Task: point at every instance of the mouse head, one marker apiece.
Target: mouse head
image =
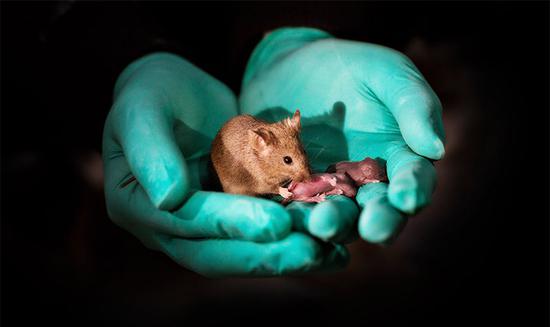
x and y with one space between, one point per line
279 152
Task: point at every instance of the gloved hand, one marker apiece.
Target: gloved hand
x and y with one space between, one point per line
357 100
165 115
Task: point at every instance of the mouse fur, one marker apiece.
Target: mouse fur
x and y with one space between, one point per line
254 157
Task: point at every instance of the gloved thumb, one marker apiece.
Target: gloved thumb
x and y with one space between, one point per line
150 148
418 113
414 105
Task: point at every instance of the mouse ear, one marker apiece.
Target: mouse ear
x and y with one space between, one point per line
261 139
294 122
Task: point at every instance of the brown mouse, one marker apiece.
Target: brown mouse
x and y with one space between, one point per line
254 157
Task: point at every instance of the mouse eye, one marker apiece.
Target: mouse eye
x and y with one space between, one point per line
287 160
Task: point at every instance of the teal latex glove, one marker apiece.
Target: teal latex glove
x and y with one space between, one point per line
357 100
165 115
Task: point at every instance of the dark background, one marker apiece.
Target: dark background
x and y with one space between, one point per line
478 254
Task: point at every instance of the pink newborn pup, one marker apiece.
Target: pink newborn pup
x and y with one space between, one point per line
362 172
342 178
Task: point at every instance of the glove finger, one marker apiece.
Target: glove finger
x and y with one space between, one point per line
416 108
216 214
412 180
148 143
295 254
332 220
204 214
379 221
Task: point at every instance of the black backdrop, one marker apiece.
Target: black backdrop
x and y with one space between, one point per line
478 254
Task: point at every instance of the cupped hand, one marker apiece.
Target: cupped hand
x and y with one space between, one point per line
357 100
164 116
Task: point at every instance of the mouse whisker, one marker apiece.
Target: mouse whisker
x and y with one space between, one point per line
308 143
286 182
318 153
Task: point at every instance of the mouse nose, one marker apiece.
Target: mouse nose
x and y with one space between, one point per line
304 177
308 172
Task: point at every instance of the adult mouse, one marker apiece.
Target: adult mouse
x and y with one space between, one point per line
254 157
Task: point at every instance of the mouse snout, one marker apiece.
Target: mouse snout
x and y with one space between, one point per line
302 177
